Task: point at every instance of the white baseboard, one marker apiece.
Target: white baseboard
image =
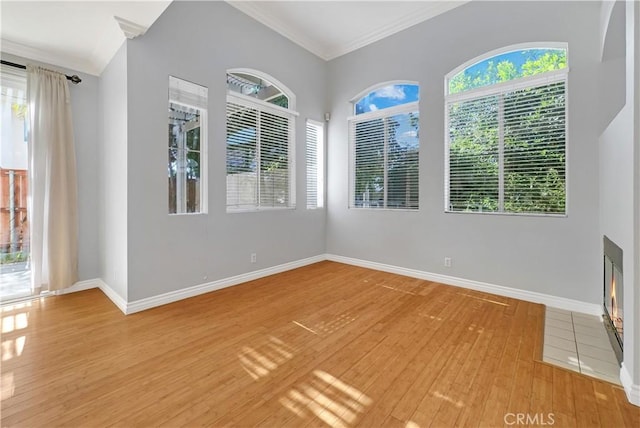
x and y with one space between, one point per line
631 389
173 296
80 286
529 296
114 297
95 283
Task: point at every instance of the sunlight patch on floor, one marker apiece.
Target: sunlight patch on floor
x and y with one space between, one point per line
12 348
495 302
399 290
305 327
8 387
14 322
325 328
260 361
430 316
459 404
333 401
16 307
478 329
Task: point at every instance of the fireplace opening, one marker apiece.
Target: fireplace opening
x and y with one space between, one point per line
613 296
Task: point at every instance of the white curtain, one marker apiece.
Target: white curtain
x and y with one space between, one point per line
52 167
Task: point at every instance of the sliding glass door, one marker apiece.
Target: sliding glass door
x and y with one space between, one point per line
15 275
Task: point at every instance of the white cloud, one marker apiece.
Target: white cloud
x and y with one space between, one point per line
411 134
373 107
393 92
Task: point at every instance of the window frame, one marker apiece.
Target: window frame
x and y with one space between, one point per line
318 180
204 157
410 107
264 106
501 88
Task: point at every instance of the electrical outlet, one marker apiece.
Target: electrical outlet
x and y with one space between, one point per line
253 257
447 262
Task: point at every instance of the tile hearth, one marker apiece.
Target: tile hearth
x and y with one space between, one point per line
580 343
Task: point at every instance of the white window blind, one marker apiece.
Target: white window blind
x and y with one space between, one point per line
506 148
315 165
260 155
384 152
187 93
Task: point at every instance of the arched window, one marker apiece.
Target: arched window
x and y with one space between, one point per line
258 86
506 129
384 146
260 142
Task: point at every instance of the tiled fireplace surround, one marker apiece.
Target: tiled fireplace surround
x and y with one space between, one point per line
586 343
579 342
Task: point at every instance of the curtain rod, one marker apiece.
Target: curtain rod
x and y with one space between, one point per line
74 79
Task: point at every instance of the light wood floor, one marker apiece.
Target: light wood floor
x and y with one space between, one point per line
324 345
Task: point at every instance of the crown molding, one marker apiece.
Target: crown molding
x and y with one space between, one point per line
430 10
265 18
49 57
130 29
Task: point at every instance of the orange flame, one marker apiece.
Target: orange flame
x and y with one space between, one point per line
614 303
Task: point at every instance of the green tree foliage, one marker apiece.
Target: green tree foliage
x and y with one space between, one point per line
534 153
533 136
490 72
473 156
555 59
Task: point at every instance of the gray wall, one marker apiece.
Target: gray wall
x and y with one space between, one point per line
618 164
556 256
632 289
168 252
85 128
114 213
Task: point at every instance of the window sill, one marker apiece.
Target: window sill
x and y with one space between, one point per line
409 210
257 210
186 214
556 215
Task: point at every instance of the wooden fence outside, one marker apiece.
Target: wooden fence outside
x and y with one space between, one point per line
14 225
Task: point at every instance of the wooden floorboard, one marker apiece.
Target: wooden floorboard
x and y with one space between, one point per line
324 345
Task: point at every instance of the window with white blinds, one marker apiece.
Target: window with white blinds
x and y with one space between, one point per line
506 140
260 154
384 149
315 164
187 166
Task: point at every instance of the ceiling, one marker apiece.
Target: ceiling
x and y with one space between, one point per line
84 36
333 28
80 35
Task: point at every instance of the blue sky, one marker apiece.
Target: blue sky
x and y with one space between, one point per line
388 96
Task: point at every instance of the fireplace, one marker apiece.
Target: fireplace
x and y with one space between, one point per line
613 296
